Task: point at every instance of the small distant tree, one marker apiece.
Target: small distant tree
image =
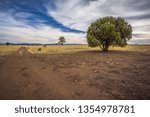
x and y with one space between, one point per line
7 43
62 40
109 31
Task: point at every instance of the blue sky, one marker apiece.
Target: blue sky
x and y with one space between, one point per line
44 21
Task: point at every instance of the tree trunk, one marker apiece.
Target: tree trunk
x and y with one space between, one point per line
105 49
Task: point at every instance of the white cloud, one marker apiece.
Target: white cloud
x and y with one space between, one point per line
19 32
75 14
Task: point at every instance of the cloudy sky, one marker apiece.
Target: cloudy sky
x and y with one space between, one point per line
44 21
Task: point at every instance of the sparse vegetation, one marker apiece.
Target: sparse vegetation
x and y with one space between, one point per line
39 49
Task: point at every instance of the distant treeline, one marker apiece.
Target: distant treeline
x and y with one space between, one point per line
36 44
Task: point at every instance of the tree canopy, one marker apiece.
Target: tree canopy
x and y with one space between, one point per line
62 40
109 31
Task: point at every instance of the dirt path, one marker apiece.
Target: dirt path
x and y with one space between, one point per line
21 78
81 75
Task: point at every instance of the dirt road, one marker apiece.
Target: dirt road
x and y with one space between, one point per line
76 75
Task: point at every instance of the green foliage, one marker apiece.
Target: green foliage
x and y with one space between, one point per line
62 40
109 31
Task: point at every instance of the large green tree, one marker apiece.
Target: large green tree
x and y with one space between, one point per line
109 31
62 40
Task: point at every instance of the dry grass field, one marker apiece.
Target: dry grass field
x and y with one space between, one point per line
57 49
74 72
69 48
8 49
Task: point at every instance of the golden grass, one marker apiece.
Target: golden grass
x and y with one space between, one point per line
57 49
75 48
139 48
69 48
9 48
